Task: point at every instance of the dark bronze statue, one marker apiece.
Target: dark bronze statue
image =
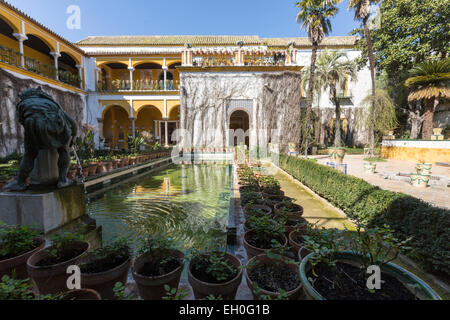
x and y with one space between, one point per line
46 126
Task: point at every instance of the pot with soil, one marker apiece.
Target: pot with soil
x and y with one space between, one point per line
250 196
273 199
256 210
155 269
265 233
85 172
215 273
93 170
266 276
336 154
102 268
101 168
296 243
48 267
17 244
289 208
350 281
82 294
292 223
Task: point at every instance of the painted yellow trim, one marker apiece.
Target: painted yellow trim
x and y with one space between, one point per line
416 155
124 104
41 78
139 104
240 69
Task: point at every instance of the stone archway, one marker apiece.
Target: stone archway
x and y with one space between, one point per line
239 120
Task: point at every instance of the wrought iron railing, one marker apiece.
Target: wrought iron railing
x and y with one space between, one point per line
140 85
13 57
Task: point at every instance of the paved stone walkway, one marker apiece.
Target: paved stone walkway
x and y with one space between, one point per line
436 195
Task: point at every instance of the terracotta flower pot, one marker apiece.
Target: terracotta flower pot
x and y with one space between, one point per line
124 162
336 155
104 282
86 172
297 248
255 251
93 170
295 211
52 279
101 168
413 283
82 294
109 165
226 290
419 180
266 210
152 288
292 223
292 294
18 265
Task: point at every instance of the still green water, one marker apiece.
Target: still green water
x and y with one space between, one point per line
188 203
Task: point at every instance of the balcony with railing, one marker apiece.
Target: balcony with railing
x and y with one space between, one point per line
13 58
117 85
211 58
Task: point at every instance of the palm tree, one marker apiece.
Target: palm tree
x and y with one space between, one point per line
333 69
362 12
429 81
314 15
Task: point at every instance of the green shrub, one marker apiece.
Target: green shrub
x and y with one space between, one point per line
428 226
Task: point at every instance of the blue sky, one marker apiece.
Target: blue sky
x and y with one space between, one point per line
266 18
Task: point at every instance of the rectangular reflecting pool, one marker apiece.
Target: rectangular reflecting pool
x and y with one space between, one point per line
188 203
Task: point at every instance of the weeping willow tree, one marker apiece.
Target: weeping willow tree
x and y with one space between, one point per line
377 115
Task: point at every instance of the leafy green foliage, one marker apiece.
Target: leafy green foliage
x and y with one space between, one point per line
17 240
107 257
216 264
62 244
12 289
119 292
406 216
266 229
174 293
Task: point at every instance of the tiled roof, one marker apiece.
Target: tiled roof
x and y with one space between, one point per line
304 42
208 40
168 40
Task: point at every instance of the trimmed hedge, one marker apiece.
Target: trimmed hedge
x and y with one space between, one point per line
428 226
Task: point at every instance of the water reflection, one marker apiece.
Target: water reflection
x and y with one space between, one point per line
189 203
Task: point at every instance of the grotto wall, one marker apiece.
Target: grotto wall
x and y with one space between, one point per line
11 85
272 100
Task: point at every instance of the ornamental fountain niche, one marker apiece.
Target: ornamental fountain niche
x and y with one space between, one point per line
42 195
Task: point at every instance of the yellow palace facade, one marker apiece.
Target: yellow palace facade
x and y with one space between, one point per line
134 84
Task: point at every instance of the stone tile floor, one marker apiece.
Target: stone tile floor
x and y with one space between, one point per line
436 195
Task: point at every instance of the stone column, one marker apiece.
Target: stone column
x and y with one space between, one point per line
80 74
133 126
56 56
21 38
131 77
167 133
165 77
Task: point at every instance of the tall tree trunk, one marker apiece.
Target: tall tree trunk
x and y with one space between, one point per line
310 95
372 76
427 128
337 125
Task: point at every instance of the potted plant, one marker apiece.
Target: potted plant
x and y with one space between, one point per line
159 265
336 154
329 273
273 275
15 289
17 244
81 294
424 168
419 180
215 273
260 237
251 209
102 268
273 199
369 167
269 185
48 267
289 208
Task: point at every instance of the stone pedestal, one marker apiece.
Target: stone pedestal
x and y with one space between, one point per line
47 210
45 171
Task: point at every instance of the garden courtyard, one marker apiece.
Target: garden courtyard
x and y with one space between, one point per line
228 167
